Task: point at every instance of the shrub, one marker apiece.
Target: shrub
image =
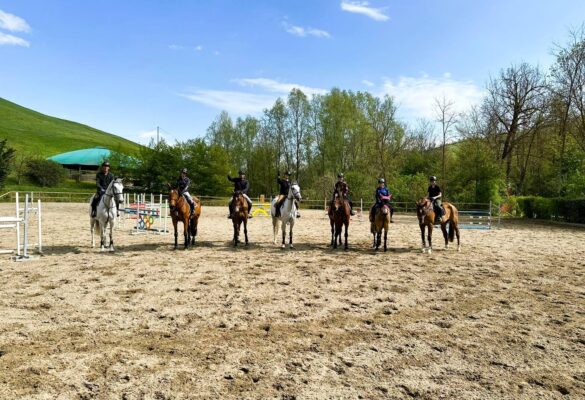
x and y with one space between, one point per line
558 209
45 172
6 156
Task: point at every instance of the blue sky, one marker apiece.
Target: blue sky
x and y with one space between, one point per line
128 66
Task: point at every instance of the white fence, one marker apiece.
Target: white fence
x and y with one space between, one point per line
21 223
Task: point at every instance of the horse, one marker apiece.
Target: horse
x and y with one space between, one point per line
339 215
240 215
426 217
107 210
381 221
288 214
181 212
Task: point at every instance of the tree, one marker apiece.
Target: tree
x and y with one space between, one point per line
447 117
6 156
298 117
515 104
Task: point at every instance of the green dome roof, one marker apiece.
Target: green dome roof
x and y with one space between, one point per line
85 157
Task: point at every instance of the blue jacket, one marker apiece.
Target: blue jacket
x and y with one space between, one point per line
381 192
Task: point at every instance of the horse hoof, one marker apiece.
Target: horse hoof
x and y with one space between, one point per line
291 246
282 246
430 251
423 250
458 248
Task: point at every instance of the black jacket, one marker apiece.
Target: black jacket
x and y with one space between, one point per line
240 184
284 186
103 181
183 185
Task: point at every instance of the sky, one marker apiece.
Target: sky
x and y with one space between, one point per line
127 67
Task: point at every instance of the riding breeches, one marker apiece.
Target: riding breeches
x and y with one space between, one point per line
188 197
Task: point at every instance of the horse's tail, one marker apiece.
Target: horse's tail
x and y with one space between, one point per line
451 231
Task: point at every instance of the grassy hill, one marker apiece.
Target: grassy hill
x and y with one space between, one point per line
34 133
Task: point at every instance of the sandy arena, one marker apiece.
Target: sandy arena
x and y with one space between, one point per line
504 318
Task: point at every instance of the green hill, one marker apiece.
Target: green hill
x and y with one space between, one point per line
34 133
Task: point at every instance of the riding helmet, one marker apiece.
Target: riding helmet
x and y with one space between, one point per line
240 172
184 171
287 173
433 178
105 164
340 175
381 180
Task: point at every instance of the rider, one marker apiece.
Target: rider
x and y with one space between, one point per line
241 185
283 188
382 197
342 186
182 185
102 179
435 196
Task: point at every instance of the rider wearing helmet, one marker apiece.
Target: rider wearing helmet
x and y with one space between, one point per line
382 197
102 179
182 185
435 196
343 188
283 188
240 185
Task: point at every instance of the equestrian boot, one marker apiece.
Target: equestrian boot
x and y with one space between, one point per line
351 211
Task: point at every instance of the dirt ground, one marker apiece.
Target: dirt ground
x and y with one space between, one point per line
504 318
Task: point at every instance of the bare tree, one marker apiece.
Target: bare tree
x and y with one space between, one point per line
515 105
447 117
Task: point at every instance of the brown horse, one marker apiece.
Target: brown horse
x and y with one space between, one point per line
426 217
180 211
339 213
380 221
240 215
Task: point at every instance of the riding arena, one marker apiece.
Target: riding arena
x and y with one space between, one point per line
501 317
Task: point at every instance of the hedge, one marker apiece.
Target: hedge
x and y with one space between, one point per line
556 209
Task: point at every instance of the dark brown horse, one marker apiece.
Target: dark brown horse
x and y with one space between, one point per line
240 216
180 212
339 213
426 217
380 221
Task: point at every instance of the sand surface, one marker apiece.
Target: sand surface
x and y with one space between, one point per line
504 318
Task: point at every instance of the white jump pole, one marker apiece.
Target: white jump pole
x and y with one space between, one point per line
40 227
25 244
166 215
17 225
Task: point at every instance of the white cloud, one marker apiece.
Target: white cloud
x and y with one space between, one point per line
144 137
363 7
304 32
368 83
10 40
272 85
199 48
240 102
216 53
178 47
416 96
13 23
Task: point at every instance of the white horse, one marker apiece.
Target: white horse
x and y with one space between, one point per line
107 210
288 213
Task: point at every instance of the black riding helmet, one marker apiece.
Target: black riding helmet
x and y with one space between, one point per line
433 178
340 175
105 164
241 172
381 180
184 171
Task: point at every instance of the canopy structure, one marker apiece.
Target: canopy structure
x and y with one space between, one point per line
82 158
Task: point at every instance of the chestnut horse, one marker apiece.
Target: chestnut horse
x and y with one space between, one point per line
180 211
240 215
339 214
426 217
380 221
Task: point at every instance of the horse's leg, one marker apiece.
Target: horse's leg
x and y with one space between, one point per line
283 228
102 237
92 228
290 232
186 232
422 237
112 235
445 235
457 234
346 226
385 238
430 237
236 231
246 230
378 239
274 229
175 222
332 232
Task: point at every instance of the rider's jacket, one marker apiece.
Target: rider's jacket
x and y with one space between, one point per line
284 186
240 185
183 185
103 180
342 187
434 191
381 192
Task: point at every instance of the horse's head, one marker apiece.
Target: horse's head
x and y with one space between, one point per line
238 200
173 197
295 190
423 207
117 186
